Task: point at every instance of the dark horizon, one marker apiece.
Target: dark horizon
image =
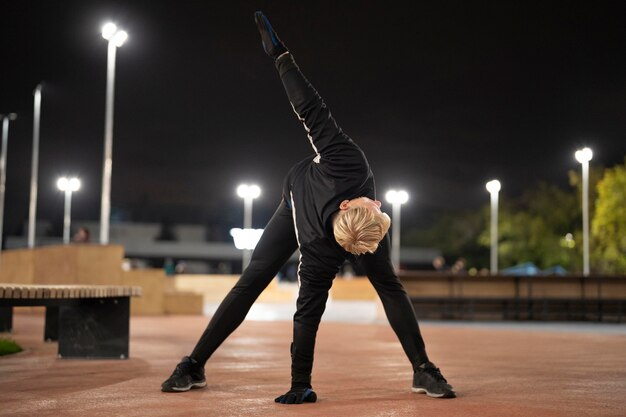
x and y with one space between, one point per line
442 98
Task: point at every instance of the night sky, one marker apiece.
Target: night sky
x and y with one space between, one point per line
442 96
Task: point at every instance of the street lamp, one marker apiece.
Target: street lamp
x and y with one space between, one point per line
493 187
116 38
248 193
6 118
68 185
396 199
584 156
32 207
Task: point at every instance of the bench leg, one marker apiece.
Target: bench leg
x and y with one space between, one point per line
6 319
51 329
97 328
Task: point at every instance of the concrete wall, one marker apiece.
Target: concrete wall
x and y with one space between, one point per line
358 288
97 265
63 264
17 266
214 288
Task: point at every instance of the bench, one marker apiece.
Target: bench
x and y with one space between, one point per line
520 308
89 321
501 297
467 308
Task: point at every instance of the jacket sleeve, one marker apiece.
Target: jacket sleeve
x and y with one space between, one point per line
332 147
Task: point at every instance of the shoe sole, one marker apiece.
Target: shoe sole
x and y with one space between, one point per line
187 388
433 395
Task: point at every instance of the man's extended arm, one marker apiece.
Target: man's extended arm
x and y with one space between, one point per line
326 137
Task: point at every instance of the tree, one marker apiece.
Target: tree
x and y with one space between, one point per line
533 228
543 226
608 226
455 233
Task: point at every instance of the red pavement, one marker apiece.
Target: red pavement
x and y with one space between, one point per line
360 370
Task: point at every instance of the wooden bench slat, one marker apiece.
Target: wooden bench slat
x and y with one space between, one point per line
34 291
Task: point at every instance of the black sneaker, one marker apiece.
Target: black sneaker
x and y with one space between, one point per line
428 380
187 375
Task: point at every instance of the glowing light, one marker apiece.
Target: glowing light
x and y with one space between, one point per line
111 33
397 196
246 238
108 30
493 186
119 38
583 155
248 191
68 184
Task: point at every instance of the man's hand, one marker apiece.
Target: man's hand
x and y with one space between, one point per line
272 44
297 396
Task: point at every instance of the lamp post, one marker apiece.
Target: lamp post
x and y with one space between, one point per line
116 38
396 199
584 156
493 187
248 193
6 118
32 207
68 185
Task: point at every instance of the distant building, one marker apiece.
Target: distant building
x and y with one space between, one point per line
149 245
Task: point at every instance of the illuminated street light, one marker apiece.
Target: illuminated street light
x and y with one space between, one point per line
396 199
32 207
111 33
584 156
116 38
248 193
6 118
493 187
68 185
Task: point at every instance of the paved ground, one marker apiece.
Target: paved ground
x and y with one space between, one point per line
497 369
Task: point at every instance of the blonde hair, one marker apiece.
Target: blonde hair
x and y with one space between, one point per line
359 229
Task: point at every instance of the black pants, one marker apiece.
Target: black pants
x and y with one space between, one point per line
274 249
396 302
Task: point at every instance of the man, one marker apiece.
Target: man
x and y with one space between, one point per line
330 213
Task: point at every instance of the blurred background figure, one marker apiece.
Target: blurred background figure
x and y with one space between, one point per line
459 267
180 267
82 235
439 263
169 267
